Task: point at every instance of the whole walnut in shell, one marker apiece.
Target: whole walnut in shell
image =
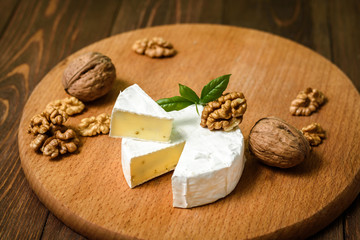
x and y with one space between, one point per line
89 76
276 143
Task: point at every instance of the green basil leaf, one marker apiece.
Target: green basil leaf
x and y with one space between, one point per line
174 103
188 93
214 89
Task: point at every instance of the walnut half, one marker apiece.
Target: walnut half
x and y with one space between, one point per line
42 122
60 143
156 47
52 138
314 133
95 125
224 113
70 105
307 102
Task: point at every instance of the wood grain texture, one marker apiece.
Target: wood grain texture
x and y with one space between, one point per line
87 191
346 54
346 51
55 230
5 17
352 221
36 35
155 12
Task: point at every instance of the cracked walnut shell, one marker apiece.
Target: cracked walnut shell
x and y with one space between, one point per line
70 105
89 76
95 125
224 113
307 102
157 47
314 133
276 143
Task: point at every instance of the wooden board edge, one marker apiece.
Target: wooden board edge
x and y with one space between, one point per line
322 218
65 215
82 226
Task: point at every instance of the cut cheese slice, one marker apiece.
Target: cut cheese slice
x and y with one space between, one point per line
136 115
145 160
208 168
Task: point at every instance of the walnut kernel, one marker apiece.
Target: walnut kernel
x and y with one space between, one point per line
38 142
41 123
314 133
89 76
307 102
60 143
95 125
70 105
51 136
224 113
55 116
157 47
276 143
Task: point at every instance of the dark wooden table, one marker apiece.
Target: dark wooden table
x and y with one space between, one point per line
36 34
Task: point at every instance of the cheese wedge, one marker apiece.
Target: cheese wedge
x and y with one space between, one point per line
208 167
152 160
136 115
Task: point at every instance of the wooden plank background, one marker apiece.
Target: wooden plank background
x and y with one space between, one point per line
36 34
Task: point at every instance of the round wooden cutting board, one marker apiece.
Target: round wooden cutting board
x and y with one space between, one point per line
88 192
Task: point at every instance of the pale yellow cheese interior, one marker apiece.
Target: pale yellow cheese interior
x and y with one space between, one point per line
125 124
146 167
